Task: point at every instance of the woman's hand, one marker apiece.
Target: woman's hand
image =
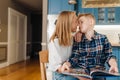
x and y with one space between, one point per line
78 36
66 67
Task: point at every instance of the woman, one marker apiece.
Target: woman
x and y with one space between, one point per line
61 43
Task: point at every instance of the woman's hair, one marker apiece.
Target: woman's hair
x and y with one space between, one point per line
89 15
63 28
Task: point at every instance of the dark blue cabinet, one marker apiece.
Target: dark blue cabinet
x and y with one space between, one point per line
56 6
117 13
107 16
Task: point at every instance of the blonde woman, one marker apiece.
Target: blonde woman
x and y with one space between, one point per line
61 43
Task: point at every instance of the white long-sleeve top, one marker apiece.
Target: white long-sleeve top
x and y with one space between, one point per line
57 54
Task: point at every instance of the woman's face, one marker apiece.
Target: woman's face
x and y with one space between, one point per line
74 23
84 24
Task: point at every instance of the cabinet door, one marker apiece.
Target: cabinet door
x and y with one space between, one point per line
96 14
102 16
111 15
117 15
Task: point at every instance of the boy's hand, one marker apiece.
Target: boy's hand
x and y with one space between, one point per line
113 69
113 66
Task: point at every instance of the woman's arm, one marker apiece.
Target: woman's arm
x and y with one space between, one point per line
54 58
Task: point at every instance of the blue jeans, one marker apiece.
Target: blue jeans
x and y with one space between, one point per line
59 76
99 79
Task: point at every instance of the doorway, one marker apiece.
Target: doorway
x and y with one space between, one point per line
17 36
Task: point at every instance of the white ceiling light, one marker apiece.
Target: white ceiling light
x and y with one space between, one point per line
72 1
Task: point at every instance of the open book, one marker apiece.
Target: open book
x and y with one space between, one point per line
94 73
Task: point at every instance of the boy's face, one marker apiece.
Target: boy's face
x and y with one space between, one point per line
84 23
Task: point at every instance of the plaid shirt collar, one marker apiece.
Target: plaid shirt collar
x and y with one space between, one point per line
95 36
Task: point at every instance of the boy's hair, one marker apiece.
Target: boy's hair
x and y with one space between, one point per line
89 15
63 28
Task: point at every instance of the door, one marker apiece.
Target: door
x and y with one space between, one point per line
16 36
21 39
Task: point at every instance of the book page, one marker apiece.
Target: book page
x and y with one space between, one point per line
77 73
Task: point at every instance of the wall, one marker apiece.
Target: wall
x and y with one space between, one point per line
4 4
44 24
3 19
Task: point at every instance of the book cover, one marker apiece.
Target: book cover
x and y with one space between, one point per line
94 73
100 73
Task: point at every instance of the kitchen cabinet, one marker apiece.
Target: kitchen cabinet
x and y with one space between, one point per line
56 6
104 16
117 15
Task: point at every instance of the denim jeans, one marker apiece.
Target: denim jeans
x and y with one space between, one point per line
59 76
99 79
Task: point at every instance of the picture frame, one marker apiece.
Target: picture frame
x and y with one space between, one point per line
100 3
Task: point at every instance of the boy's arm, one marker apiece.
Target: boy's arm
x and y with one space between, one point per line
111 59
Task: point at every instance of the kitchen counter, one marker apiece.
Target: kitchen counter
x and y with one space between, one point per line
115 44
111 31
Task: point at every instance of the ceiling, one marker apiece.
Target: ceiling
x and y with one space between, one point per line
33 5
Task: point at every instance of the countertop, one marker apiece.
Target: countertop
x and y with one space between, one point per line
111 31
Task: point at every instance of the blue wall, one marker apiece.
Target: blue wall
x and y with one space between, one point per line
56 6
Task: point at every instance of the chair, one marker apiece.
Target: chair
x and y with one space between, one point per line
43 57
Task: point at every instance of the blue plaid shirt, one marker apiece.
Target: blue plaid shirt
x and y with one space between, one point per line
89 54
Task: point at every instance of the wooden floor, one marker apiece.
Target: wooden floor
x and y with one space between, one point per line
25 70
